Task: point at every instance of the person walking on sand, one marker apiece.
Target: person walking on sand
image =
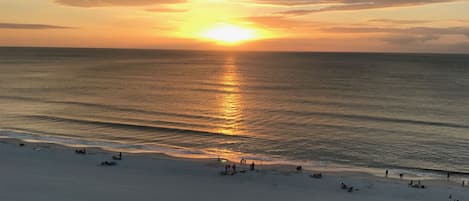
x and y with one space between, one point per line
252 166
387 172
448 175
401 175
234 168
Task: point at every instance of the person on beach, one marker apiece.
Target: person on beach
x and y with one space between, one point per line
252 166
119 157
448 175
401 175
343 186
299 168
462 183
243 161
234 168
387 172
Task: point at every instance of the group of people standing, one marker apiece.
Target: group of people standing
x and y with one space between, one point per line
230 169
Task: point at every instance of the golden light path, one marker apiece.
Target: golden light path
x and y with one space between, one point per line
230 100
230 105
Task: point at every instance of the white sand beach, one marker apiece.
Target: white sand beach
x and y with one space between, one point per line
48 172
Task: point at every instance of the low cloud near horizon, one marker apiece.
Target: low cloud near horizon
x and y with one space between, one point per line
103 3
31 26
344 5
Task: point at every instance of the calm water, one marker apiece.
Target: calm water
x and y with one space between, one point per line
324 109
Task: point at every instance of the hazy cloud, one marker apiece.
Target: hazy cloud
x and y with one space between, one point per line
414 30
343 5
166 10
101 3
406 40
293 2
279 22
403 36
402 22
31 26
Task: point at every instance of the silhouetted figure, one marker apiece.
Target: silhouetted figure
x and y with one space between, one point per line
387 172
448 175
234 168
401 175
119 157
299 168
243 161
463 183
343 186
21 145
252 166
411 183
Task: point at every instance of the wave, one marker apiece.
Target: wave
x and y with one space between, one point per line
116 108
372 118
136 126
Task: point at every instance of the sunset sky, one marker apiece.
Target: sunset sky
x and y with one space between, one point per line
277 25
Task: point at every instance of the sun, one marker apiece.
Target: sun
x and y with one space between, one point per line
229 34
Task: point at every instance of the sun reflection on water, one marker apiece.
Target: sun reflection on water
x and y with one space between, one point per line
230 101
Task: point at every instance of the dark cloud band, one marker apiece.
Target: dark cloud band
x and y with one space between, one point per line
31 26
344 5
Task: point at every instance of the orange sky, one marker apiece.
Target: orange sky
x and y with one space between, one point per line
279 25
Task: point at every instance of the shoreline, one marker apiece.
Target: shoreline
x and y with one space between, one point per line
282 168
46 168
410 172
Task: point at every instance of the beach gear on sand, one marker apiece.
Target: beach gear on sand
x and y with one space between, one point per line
108 163
316 176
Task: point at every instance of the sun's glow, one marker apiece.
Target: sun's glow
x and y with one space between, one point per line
229 34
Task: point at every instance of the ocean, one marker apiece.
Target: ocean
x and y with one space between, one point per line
320 110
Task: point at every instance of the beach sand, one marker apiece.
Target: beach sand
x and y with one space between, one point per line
43 172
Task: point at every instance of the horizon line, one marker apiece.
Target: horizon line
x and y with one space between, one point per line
259 51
